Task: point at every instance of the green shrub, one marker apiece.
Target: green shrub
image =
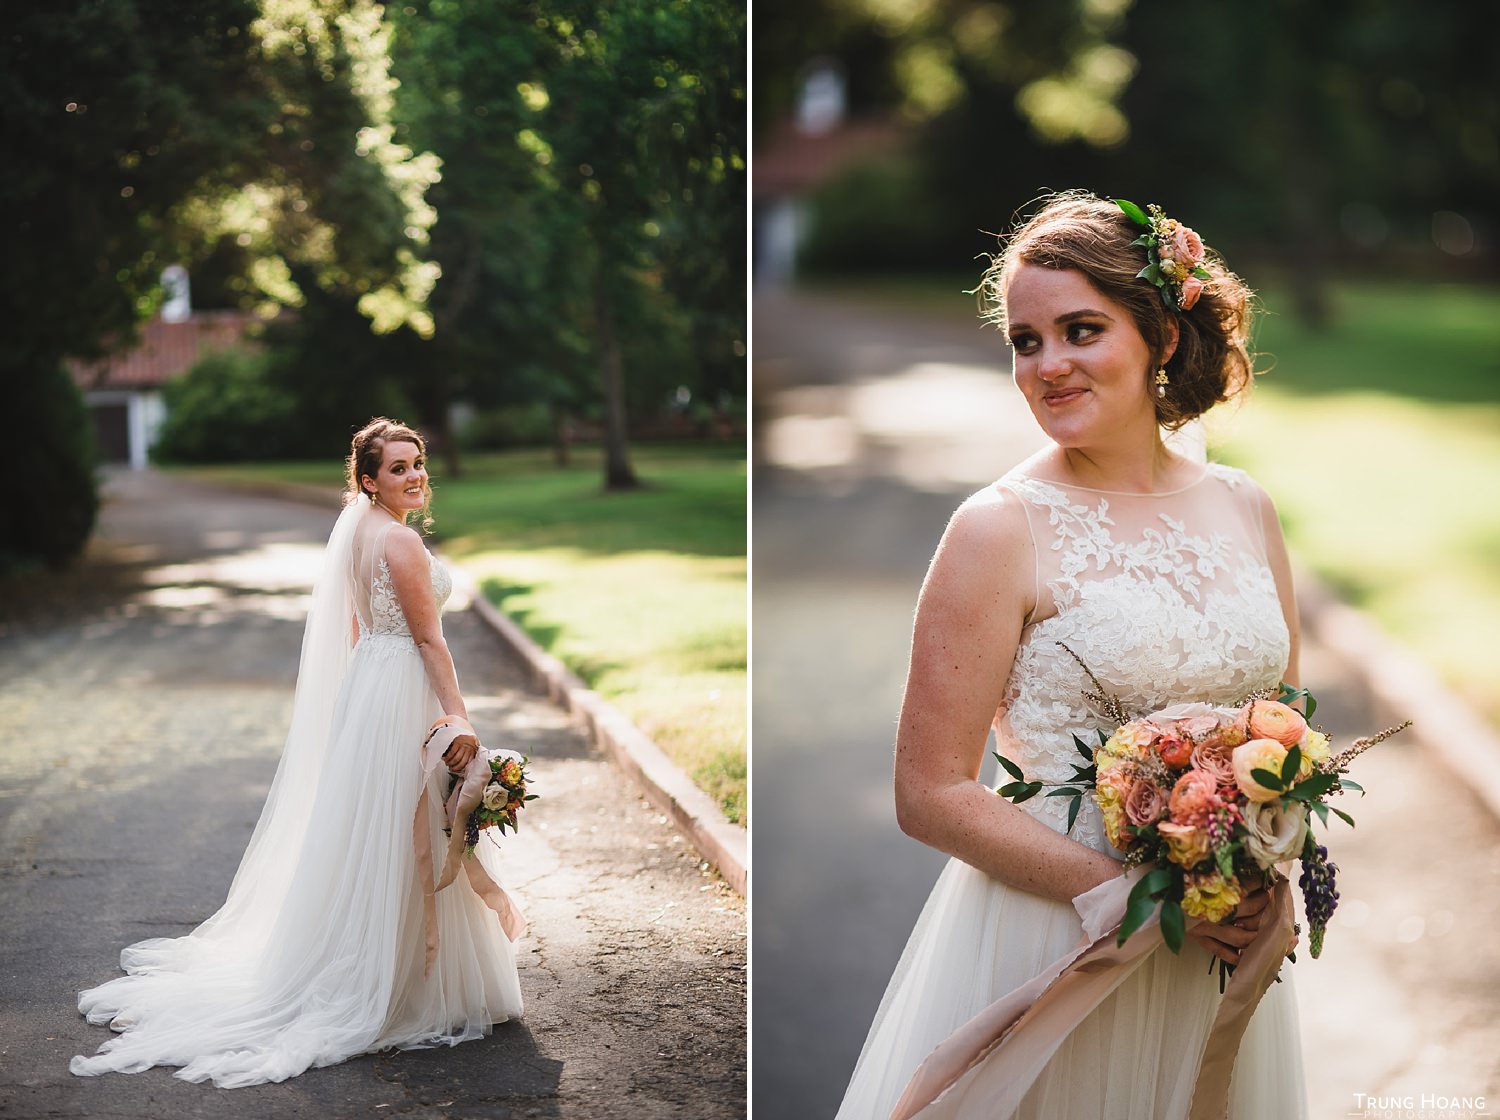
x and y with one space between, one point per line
226 409
61 501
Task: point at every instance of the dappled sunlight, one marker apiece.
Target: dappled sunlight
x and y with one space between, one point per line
931 425
269 580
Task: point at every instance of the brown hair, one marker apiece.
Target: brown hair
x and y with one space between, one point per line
1090 235
367 452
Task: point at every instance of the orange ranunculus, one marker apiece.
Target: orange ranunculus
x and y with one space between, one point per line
1270 719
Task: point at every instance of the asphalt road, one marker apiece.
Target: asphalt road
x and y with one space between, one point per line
143 700
872 423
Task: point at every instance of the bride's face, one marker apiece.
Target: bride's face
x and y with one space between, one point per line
401 482
1080 360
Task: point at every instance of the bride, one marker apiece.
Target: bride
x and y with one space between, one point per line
1169 578
319 952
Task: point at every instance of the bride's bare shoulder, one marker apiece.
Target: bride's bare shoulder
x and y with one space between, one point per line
987 534
404 548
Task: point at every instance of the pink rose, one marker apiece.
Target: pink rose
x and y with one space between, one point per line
1197 728
1194 798
1187 247
1145 802
1269 719
1192 288
1215 757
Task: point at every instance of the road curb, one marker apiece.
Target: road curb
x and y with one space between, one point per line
1405 688
693 812
724 845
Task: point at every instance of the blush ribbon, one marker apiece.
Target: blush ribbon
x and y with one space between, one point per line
987 1065
461 802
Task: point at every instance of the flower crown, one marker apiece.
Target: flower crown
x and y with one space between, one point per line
1174 255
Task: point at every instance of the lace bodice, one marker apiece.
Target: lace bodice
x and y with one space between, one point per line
385 609
1166 597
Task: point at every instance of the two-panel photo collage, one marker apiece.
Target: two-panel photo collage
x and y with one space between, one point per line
668 560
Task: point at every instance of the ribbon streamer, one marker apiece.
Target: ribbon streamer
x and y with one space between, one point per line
461 802
986 1066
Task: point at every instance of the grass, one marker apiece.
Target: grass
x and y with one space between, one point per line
1380 440
642 593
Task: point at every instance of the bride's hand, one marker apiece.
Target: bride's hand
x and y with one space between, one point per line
461 753
1227 939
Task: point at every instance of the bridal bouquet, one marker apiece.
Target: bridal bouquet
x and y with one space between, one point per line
503 797
1213 798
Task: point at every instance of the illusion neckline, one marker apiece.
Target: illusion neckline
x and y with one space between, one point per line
1208 473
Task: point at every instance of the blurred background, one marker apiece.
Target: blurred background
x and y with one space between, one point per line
1345 159
239 229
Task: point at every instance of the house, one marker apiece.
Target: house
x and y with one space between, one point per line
123 391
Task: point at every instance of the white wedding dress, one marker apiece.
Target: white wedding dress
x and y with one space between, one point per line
318 952
1166 597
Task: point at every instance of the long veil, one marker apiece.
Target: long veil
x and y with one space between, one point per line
260 885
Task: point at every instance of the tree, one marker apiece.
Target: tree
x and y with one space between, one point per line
138 133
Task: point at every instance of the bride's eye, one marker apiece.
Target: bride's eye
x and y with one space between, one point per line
1082 332
1023 342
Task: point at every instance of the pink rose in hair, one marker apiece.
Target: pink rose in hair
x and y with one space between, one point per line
1192 288
1187 247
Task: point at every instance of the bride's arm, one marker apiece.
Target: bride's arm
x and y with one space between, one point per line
978 592
1281 569
412 582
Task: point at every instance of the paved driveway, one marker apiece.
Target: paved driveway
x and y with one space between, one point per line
872 424
145 697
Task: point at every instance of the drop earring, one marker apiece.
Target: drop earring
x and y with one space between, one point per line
1161 383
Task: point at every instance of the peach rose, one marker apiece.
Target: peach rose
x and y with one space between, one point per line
1194 798
1145 802
1186 846
1257 754
1270 719
1192 288
495 797
1187 246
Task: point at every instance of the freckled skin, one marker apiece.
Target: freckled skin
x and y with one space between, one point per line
1085 372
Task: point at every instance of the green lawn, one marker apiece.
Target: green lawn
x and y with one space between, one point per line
1380 441
642 594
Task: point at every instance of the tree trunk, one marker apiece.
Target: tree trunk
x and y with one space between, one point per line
562 436
618 474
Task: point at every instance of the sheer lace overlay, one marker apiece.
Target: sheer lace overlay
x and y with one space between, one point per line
318 952
1165 597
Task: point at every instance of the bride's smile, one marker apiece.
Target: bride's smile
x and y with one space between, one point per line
1080 361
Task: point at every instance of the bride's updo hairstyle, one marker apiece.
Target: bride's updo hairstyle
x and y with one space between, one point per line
1090 235
367 452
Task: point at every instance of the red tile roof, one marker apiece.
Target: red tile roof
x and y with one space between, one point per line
791 162
165 351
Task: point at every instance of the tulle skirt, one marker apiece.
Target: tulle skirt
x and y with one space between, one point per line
328 963
1135 1058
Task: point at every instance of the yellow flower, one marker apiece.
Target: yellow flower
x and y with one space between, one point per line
1110 793
1211 897
1314 750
